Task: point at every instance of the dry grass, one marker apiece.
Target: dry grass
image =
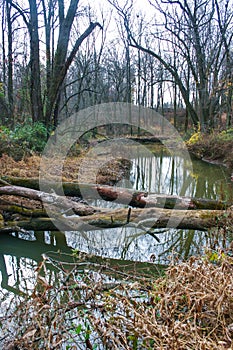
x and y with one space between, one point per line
27 167
190 308
109 173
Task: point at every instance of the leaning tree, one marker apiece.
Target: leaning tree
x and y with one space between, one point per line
55 20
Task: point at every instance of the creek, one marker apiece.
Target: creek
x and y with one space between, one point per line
155 171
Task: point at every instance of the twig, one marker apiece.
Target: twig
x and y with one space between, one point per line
5 183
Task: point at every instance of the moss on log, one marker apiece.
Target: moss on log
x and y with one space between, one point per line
138 199
139 218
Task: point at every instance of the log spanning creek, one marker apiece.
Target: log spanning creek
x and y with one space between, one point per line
155 172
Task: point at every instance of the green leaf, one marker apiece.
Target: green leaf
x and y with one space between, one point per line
78 329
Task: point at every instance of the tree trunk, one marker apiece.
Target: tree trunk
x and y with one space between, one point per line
144 219
94 218
10 64
61 61
123 195
35 89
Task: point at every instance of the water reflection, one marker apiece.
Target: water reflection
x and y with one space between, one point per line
159 172
176 175
138 246
20 255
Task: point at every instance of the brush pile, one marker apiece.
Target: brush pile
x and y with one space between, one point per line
190 307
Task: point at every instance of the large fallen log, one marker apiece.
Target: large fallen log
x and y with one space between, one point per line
130 197
94 217
144 219
49 199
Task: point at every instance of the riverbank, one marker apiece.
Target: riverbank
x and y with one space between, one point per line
215 148
91 304
29 167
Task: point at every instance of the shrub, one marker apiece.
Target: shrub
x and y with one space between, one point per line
31 136
23 140
197 136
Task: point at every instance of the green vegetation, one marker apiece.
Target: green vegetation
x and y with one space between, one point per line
23 140
226 135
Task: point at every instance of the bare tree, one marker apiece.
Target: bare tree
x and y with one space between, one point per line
10 59
3 104
190 28
224 16
165 63
58 60
85 82
63 60
35 88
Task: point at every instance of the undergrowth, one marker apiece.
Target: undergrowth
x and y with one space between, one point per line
23 140
214 146
191 307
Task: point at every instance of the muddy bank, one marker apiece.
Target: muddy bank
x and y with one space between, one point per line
109 173
213 148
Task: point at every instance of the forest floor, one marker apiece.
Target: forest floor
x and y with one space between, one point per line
215 148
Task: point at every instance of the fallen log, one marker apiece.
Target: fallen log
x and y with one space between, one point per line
130 197
94 217
142 199
149 139
143 219
22 210
50 199
157 218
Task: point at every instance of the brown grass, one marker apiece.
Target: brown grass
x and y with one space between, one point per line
29 167
190 308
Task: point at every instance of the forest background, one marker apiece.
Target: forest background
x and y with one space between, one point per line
174 56
60 57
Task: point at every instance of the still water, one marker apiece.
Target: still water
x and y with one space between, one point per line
156 171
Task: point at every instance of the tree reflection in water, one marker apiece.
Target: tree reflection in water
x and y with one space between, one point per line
161 173
21 254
